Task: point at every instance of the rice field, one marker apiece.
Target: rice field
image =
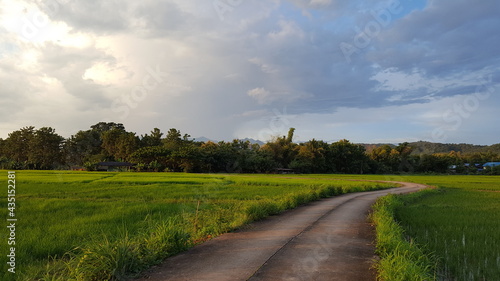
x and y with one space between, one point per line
101 226
460 224
457 224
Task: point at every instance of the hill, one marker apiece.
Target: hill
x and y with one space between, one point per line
424 147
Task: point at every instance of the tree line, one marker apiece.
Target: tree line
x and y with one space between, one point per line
44 149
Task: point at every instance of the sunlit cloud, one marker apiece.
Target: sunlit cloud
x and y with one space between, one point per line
233 72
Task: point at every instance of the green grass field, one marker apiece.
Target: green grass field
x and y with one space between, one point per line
98 226
457 224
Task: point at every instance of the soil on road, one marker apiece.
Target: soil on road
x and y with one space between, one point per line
330 239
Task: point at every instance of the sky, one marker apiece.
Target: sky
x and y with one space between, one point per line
367 71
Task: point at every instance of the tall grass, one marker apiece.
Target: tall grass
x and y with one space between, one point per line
108 226
458 223
462 228
400 259
118 259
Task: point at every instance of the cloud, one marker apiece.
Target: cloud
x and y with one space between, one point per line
328 5
288 29
463 118
91 15
264 96
220 74
441 44
265 67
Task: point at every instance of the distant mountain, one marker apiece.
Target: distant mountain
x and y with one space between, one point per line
253 141
424 147
419 147
371 146
203 139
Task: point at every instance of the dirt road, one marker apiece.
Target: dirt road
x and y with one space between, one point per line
326 240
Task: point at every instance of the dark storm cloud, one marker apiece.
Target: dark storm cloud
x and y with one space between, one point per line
447 37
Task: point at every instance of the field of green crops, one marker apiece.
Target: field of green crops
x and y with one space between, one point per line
98 226
457 225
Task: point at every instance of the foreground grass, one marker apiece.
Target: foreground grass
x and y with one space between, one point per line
400 259
458 223
109 226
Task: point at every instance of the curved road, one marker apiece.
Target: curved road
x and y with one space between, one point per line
329 239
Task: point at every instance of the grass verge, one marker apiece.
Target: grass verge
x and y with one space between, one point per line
400 259
119 259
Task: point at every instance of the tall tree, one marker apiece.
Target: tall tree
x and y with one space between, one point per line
152 140
119 144
289 138
311 157
383 158
349 158
282 149
404 151
36 149
173 139
87 146
102 127
212 157
45 149
17 145
84 146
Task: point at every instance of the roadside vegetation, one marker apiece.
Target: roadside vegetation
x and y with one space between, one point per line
449 233
110 226
401 259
